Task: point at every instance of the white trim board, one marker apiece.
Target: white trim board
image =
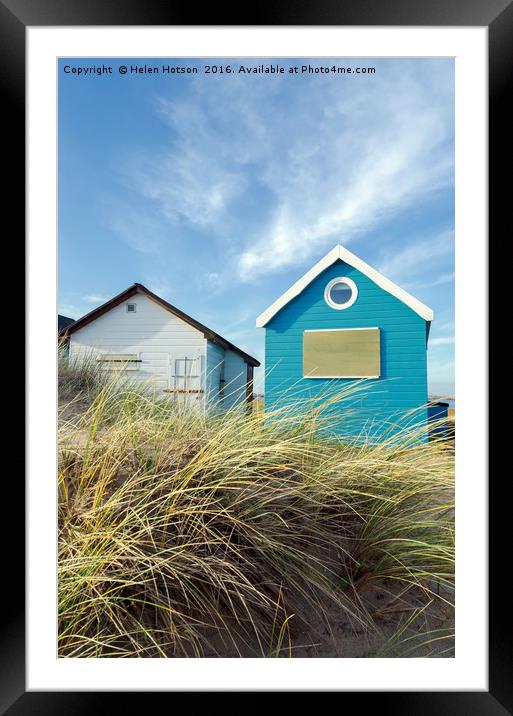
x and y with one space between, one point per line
339 252
342 377
326 330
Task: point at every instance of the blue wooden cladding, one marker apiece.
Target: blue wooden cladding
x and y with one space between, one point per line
377 406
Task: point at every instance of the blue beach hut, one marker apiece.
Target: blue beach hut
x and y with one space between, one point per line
344 325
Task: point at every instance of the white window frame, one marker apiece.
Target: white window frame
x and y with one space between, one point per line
131 303
341 306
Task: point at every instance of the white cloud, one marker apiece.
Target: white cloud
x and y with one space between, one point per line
442 341
140 228
158 285
326 160
95 298
199 174
343 214
213 278
441 372
437 281
361 165
412 260
70 310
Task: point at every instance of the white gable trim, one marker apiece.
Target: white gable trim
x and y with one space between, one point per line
339 252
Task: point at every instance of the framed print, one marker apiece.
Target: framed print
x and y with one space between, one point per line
264 250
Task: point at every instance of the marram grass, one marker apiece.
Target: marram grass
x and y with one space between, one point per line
185 534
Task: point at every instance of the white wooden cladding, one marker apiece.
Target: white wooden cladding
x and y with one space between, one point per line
119 361
171 354
156 335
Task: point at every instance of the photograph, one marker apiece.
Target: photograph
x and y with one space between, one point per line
256 369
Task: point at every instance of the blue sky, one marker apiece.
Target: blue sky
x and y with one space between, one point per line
218 191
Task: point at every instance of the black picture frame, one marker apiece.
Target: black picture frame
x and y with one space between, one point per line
497 15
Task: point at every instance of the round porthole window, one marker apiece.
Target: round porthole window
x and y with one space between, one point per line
341 293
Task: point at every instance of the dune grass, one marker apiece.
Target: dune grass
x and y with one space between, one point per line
185 534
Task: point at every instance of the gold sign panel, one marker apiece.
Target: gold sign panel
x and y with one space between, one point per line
342 353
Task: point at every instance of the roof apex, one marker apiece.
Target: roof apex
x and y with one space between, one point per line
339 252
140 288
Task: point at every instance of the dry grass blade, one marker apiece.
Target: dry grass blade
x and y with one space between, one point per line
185 534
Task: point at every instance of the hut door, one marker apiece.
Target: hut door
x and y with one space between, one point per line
185 379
